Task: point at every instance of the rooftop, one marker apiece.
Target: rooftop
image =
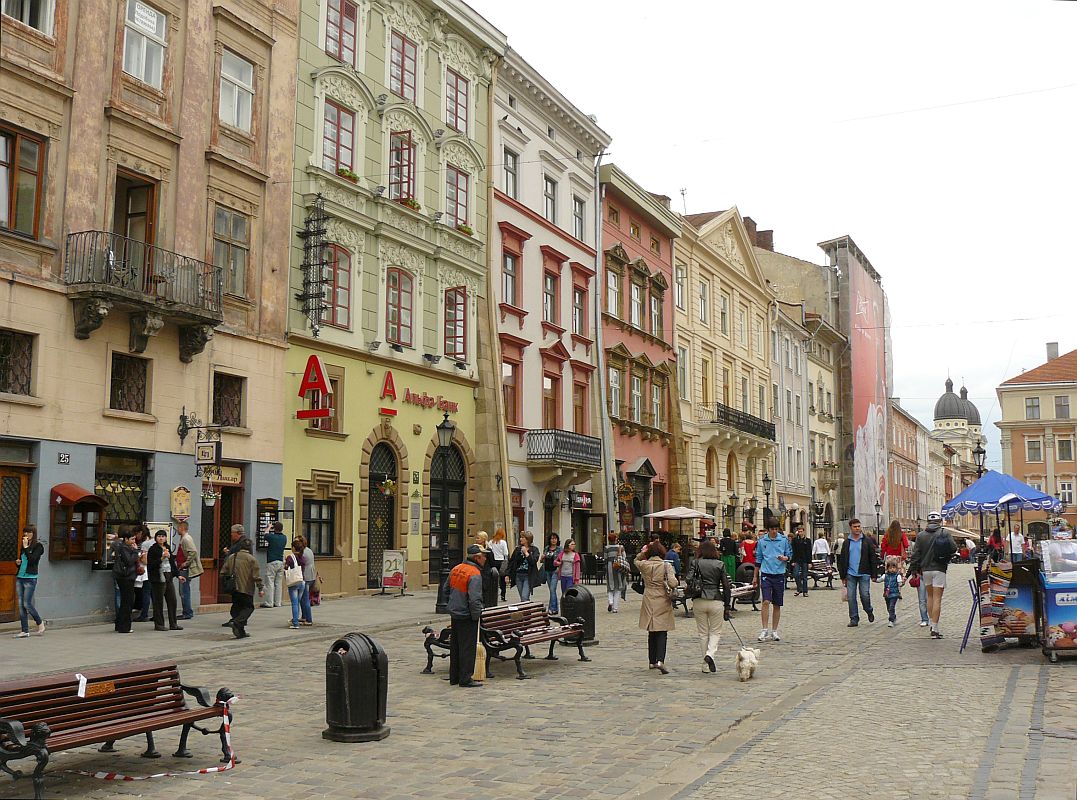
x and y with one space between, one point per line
1058 370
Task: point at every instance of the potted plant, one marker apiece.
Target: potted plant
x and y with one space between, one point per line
344 172
410 202
387 487
466 229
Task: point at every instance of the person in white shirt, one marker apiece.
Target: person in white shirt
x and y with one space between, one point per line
820 549
1015 542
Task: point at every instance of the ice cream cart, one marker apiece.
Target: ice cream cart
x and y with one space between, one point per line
1058 592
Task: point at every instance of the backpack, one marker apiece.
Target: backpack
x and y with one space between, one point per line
121 566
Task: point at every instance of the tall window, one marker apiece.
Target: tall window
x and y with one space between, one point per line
762 401
1033 450
227 399
579 311
579 214
549 297
758 337
22 161
579 408
1065 449
613 293
637 398
398 307
657 415
401 166
508 279
704 301
331 400
551 402
318 525
237 91
745 402
742 327
231 247
338 138
35 13
798 409
549 195
338 287
615 391
341 30
510 380
456 93
16 362
456 323
705 380
796 358
1062 406
1032 408
680 282
127 390
656 316
144 43
402 66
723 313
788 404
811 396
456 189
635 306
682 372
511 168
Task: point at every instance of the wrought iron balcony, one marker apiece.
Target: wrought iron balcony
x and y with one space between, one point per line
553 446
721 414
105 270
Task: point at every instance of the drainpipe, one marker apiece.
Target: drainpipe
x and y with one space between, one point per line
607 426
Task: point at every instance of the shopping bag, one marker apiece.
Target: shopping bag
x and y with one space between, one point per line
845 594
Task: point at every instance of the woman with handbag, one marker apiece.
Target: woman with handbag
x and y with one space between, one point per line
297 588
617 570
709 586
656 610
549 570
523 566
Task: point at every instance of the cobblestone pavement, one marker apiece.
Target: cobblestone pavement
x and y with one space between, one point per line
832 713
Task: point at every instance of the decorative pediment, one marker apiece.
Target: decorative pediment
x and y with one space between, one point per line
396 255
643 360
408 18
459 152
617 255
400 117
555 352
658 281
451 276
728 237
344 88
639 266
347 235
619 351
458 55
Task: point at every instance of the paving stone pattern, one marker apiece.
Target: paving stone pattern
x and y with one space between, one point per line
832 713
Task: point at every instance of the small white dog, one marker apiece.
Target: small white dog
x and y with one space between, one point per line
747 661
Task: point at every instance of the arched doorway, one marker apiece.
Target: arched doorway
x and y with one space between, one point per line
448 480
381 520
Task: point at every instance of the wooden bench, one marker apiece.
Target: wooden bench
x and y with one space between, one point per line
821 570
119 702
744 593
511 628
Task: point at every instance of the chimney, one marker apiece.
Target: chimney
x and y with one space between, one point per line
1052 351
750 225
765 240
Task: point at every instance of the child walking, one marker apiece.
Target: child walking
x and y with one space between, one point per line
892 587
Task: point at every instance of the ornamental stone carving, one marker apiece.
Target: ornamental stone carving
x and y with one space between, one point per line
450 276
728 245
399 120
458 155
342 233
340 89
489 59
405 222
438 21
453 244
341 195
193 340
90 313
143 326
396 255
406 17
460 56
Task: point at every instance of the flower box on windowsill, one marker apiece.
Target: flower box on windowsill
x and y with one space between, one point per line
347 174
467 230
410 202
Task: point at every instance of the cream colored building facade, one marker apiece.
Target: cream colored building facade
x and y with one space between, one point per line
143 272
721 312
824 433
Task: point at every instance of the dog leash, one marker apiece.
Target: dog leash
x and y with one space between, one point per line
735 632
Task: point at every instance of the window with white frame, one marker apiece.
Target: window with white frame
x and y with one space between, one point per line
237 91
579 217
680 283
579 311
637 398
511 169
1062 406
1065 449
788 403
613 293
704 301
342 30
1065 492
615 391
1033 450
742 327
37 14
635 306
656 316
798 409
549 297
1032 408
549 196
456 323
723 313
682 372
796 358
144 43
656 405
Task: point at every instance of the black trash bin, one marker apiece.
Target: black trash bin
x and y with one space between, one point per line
578 603
746 574
356 686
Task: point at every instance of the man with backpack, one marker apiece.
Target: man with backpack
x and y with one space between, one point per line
929 559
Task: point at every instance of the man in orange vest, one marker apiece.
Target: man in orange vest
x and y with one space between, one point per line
465 609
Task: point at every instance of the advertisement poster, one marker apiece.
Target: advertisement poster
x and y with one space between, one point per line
868 357
392 568
1061 612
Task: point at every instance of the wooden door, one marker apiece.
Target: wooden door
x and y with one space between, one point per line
217 522
14 491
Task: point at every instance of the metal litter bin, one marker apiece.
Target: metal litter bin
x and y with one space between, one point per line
356 687
578 603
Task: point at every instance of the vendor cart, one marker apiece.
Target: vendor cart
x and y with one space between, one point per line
1058 597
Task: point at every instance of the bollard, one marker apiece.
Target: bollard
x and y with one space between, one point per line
578 603
356 687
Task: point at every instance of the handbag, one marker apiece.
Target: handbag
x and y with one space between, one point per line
693 585
637 584
914 581
293 575
228 582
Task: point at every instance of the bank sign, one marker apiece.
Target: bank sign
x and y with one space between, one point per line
421 399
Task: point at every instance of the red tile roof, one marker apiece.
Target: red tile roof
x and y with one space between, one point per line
699 220
1058 370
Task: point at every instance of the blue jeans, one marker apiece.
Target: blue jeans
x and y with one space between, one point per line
523 586
567 582
891 608
26 588
858 584
185 595
921 595
800 575
298 596
551 582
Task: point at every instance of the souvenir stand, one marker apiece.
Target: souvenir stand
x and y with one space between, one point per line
1057 590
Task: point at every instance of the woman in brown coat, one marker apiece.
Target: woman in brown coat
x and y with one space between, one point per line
656 611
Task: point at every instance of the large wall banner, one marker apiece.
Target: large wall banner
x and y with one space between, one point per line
868 343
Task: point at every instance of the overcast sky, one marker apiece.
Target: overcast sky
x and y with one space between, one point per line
827 118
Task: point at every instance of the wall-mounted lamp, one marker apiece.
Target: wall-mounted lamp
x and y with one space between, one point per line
373 346
379 191
432 358
397 348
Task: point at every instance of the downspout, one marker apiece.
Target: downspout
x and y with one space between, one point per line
607 425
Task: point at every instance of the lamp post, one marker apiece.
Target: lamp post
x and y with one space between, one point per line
733 509
812 516
980 455
878 517
446 428
753 504
767 483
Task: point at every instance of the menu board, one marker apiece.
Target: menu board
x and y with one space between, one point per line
268 513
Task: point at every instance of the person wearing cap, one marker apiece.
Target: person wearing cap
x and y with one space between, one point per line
929 559
772 553
465 610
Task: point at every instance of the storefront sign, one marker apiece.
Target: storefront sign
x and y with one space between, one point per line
207 453
229 476
315 379
421 399
582 500
180 503
392 568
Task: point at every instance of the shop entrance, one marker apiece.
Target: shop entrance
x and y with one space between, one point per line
217 522
448 480
381 523
14 488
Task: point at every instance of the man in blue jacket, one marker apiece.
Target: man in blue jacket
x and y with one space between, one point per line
858 566
465 611
772 554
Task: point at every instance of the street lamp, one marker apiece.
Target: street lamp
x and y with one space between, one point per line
446 428
878 513
753 504
980 455
767 483
733 508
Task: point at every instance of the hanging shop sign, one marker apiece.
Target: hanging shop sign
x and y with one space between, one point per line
625 492
180 503
207 454
315 379
582 500
421 399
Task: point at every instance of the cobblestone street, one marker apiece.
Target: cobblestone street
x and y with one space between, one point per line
831 713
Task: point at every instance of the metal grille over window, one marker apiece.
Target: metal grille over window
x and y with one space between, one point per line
121 480
16 359
10 495
381 527
128 391
315 266
227 400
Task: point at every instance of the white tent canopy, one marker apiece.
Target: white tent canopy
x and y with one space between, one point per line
679 512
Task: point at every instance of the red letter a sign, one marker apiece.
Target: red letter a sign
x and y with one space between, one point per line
314 378
388 386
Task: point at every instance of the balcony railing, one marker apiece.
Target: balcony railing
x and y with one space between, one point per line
721 414
104 263
555 446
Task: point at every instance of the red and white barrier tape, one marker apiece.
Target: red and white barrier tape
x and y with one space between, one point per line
116 776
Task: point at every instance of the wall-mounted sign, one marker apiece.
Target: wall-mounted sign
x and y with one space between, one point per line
180 503
582 500
229 476
421 399
207 454
267 515
63 458
315 380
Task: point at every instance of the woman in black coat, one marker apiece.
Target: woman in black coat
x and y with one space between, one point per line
523 566
125 564
163 570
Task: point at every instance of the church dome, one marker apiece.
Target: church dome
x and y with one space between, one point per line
972 414
950 406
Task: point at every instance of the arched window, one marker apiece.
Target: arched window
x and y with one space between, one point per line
456 323
399 296
731 473
338 271
712 467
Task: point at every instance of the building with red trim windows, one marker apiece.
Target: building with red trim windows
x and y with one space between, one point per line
543 278
638 360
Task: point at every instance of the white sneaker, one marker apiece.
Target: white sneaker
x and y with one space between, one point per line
923 624
774 637
26 635
763 635
890 624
